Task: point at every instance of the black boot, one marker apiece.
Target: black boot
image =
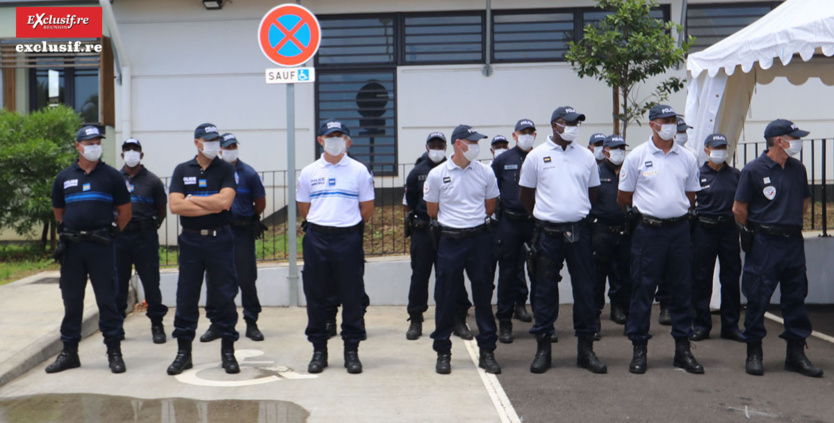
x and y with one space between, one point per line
665 317
461 329
252 331
618 316
183 358
318 362
488 363
415 329
330 327
638 360
444 363
796 361
542 360
211 334
158 333
115 359
754 359
227 357
597 335
505 331
684 358
67 359
585 356
352 363
522 314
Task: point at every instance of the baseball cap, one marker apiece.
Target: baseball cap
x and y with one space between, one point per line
499 138
466 132
332 125
228 139
87 133
131 141
207 131
661 111
436 135
613 141
783 127
596 138
524 124
682 126
567 113
715 140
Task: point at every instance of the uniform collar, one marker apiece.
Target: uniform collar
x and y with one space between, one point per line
553 146
706 169
654 150
76 167
451 165
140 172
193 162
770 163
239 165
325 163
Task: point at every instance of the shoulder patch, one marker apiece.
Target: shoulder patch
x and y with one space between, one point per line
547 159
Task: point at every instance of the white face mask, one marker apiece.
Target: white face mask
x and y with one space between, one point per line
335 146
718 156
570 133
681 138
473 152
795 148
437 156
230 156
667 131
598 153
132 158
497 152
617 156
211 149
525 142
92 152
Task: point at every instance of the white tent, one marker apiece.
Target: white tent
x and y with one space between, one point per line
722 78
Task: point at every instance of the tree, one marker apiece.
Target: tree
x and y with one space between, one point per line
33 149
625 49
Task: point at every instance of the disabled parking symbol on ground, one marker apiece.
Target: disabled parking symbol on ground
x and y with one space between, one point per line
275 372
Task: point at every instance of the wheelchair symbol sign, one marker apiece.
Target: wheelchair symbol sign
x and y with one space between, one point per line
267 371
303 75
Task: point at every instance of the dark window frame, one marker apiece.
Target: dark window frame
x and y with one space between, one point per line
402 28
396 45
69 75
725 5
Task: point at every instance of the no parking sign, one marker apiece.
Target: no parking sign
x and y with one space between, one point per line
289 35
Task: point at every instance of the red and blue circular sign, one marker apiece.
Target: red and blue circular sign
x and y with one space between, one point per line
289 35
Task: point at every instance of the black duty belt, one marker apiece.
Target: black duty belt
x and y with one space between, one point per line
712 221
101 236
776 230
134 226
334 230
608 227
560 229
657 222
514 215
205 232
420 224
463 233
241 223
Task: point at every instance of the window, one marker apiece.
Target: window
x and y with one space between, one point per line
524 37
711 23
594 16
79 89
358 40
446 38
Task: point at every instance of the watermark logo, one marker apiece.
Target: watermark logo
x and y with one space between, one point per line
58 22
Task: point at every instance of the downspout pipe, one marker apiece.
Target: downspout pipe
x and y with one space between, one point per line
487 70
124 66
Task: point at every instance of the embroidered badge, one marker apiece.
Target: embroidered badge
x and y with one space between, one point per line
769 192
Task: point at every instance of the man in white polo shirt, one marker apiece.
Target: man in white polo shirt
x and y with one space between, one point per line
335 197
559 181
659 179
461 194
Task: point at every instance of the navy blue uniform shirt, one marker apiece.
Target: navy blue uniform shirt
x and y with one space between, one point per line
88 199
414 185
507 168
717 190
606 209
249 189
190 179
146 193
774 195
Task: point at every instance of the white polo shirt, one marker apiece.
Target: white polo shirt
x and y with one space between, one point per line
335 191
660 181
561 178
460 193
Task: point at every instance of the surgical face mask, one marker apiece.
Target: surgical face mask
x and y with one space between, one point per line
795 148
617 156
211 149
473 152
598 153
437 156
335 146
570 133
132 158
718 156
230 156
497 152
525 142
667 131
92 152
681 138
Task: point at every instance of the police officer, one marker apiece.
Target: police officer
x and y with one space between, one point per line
515 227
138 245
499 146
715 234
596 145
610 242
559 182
250 202
423 252
201 192
681 136
660 179
84 197
335 196
772 197
461 194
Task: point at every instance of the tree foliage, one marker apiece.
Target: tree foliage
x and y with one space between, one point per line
625 49
33 149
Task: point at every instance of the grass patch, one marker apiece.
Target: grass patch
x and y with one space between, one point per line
22 259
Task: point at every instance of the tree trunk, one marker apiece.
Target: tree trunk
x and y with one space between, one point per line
625 93
53 238
44 232
616 93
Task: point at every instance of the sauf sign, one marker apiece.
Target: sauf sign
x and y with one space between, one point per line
290 75
58 22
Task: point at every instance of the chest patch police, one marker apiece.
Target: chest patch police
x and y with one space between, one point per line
202 183
766 179
769 192
511 167
547 159
447 179
605 179
130 187
86 187
421 177
189 180
331 182
648 164
70 183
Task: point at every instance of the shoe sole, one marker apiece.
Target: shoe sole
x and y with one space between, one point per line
691 371
187 366
637 371
443 371
792 369
489 371
65 368
232 371
255 338
586 366
505 341
117 371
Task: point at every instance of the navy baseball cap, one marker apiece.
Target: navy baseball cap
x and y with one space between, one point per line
88 133
525 124
613 141
784 127
499 138
131 141
332 125
596 139
207 131
466 132
228 139
436 136
682 126
715 140
661 111
567 113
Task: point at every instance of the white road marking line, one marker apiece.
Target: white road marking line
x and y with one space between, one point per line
502 404
748 413
814 333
